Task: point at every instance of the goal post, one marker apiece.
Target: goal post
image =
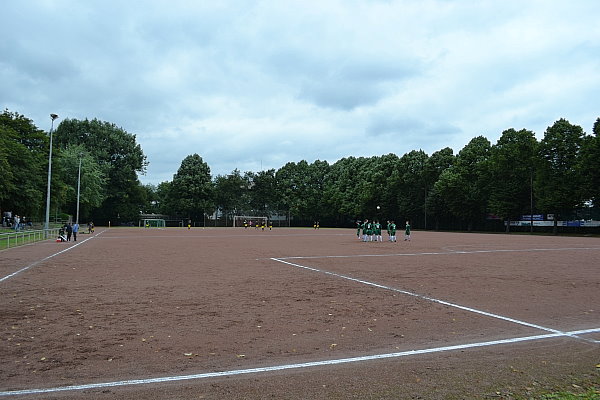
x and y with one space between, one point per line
249 220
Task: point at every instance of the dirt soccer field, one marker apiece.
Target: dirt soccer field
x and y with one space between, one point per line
229 313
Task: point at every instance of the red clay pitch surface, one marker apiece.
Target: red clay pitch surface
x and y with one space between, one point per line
295 313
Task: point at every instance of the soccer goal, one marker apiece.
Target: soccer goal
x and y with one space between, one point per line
153 223
249 220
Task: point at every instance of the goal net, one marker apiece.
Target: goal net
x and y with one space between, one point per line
249 221
153 223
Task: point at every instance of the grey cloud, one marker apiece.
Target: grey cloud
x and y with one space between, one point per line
340 78
344 95
383 125
355 85
412 130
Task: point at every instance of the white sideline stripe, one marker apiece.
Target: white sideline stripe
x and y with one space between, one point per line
264 234
420 296
33 264
292 366
439 253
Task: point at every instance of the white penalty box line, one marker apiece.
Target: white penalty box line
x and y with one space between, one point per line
440 253
434 300
237 372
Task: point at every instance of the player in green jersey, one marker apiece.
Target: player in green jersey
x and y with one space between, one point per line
392 231
367 226
377 231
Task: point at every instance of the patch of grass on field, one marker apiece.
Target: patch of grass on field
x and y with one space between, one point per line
572 387
591 394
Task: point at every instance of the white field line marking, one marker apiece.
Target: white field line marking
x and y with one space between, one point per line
427 298
439 253
33 264
209 236
293 366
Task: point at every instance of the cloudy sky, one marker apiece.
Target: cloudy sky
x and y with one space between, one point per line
255 84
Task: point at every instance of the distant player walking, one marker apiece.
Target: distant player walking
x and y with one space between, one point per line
407 231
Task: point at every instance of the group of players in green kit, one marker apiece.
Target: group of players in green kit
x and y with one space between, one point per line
370 231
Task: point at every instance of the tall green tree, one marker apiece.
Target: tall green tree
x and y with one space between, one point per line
412 191
384 180
119 158
263 191
341 191
92 181
192 188
231 193
292 184
445 198
23 166
435 165
165 203
511 165
301 186
559 184
590 164
318 176
464 186
152 205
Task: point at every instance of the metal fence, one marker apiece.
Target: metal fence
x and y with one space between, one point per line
20 238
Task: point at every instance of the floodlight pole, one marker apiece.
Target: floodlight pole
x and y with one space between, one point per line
47 223
425 208
531 200
78 187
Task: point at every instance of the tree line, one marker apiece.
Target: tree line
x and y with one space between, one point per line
110 163
515 176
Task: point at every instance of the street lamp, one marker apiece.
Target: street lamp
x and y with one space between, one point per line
47 224
78 187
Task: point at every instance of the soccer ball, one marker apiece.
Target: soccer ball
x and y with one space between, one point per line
378 207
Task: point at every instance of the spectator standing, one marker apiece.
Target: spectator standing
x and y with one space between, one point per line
69 230
75 230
